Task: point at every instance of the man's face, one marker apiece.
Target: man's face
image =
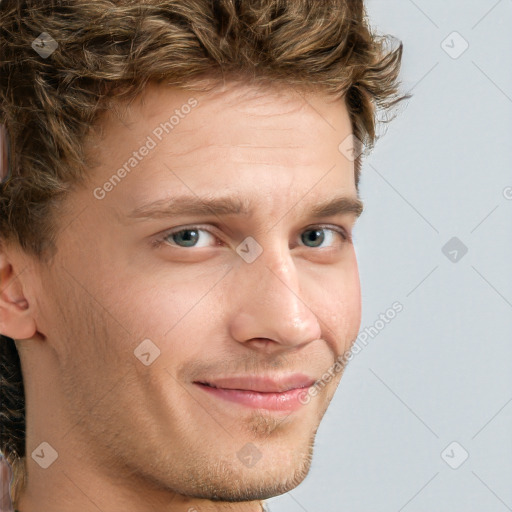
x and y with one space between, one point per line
134 316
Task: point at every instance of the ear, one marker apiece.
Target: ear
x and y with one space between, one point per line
16 319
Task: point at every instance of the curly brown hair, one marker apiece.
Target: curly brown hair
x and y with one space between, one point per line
107 52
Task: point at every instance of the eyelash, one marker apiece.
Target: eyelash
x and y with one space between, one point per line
346 237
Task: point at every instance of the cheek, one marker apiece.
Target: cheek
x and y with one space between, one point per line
170 310
342 301
353 299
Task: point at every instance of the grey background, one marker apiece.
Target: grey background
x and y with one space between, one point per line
440 371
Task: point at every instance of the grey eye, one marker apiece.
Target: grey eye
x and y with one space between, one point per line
187 237
314 236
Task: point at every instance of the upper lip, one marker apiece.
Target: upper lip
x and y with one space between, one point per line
276 384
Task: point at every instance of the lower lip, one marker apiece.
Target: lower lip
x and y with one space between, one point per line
285 401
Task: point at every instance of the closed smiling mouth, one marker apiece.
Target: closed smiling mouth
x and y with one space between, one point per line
279 393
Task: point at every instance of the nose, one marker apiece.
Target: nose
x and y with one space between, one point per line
272 312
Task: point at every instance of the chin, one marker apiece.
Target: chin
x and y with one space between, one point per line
264 482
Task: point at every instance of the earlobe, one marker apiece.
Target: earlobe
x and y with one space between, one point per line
16 319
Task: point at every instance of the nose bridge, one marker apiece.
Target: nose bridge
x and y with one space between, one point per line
271 303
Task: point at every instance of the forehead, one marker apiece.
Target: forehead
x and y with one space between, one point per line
232 137
260 105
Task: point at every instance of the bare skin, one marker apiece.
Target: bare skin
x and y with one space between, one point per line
137 437
5 479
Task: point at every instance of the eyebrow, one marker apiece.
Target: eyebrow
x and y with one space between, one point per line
222 206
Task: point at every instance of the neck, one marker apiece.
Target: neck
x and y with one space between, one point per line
262 509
